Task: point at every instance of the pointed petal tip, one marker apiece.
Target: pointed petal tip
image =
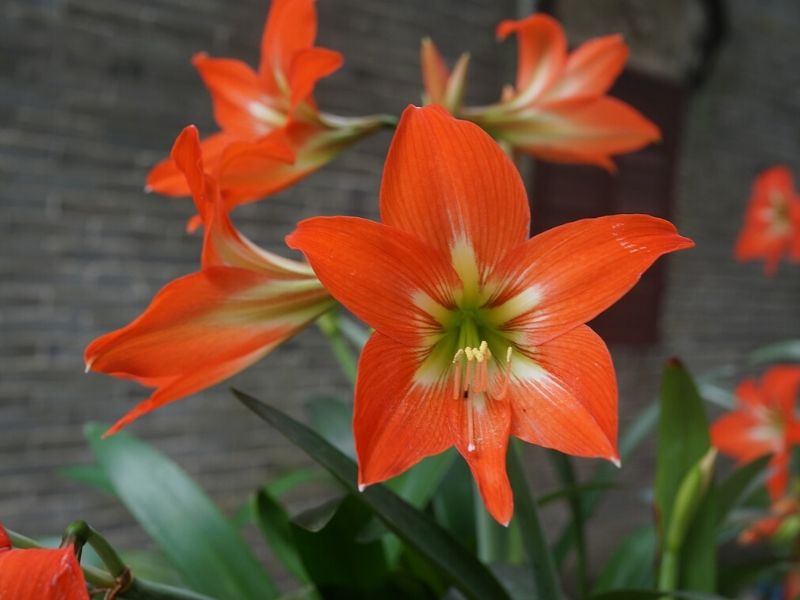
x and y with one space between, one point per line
199 57
616 461
89 363
362 487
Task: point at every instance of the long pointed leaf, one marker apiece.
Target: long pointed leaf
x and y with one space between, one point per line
734 489
275 526
566 473
543 566
205 549
413 527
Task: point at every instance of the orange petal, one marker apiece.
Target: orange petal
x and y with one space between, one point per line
542 53
490 422
309 66
388 278
567 275
397 420
591 69
748 394
778 480
435 73
165 178
241 107
223 244
579 131
741 435
40 574
780 384
291 26
446 182
564 396
203 328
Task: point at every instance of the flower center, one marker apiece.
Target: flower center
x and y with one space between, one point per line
470 372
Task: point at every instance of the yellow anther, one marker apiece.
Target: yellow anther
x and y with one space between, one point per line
508 354
458 355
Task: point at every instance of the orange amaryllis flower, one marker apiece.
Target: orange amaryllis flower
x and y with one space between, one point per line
780 513
209 325
559 109
772 222
479 330
271 131
764 422
39 574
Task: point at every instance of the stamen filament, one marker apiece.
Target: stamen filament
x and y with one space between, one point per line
507 373
470 427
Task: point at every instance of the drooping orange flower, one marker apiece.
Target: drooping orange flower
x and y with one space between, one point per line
39 574
772 222
559 109
207 326
767 527
480 331
765 421
271 131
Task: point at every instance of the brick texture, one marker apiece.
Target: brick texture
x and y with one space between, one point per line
92 92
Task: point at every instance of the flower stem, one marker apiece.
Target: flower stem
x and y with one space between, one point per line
140 589
566 472
329 325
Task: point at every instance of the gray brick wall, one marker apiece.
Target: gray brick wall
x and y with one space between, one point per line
92 92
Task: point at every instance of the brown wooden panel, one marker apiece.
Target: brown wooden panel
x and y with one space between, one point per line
643 184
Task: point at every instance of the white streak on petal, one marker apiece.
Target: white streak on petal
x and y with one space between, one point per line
522 303
465 264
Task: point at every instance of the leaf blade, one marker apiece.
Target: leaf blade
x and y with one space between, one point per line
413 527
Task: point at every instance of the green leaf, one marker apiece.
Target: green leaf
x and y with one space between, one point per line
566 474
635 594
205 549
454 507
279 486
91 475
631 565
417 485
545 577
683 436
412 526
151 566
581 489
274 523
333 419
788 351
340 566
698 570
737 485
685 498
606 473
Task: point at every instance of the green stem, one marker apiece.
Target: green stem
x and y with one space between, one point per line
329 325
566 472
668 571
140 589
82 533
540 557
